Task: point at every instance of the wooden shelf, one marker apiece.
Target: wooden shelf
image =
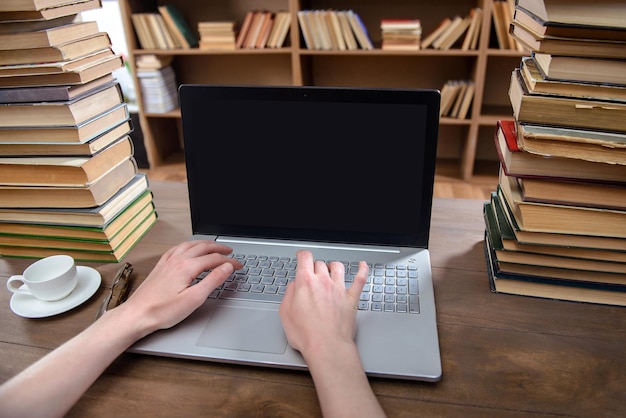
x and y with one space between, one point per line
488 67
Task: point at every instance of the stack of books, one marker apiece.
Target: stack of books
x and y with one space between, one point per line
68 180
459 31
336 30
217 35
401 34
556 226
159 89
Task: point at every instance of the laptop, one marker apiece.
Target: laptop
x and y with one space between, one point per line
346 173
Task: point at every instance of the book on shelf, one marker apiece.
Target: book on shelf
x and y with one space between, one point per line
178 25
311 30
152 31
400 34
506 220
460 96
470 41
360 31
53 93
280 30
455 35
64 171
64 52
161 33
76 134
93 194
609 13
69 113
334 26
48 37
447 31
135 192
436 33
159 90
544 217
80 75
564 111
465 103
112 256
142 29
502 16
151 62
264 33
65 237
553 28
346 30
518 163
260 20
244 27
536 83
456 98
46 13
218 35
567 46
77 149
541 286
591 70
323 30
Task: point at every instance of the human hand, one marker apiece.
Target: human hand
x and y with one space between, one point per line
317 309
165 297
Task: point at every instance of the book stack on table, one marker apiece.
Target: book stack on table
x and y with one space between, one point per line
556 226
69 182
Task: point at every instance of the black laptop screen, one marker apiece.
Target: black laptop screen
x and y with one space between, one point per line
311 163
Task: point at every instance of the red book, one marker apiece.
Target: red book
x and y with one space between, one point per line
510 135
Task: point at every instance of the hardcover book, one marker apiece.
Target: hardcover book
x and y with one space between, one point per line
506 220
564 111
70 113
76 134
568 29
136 190
518 163
70 171
536 83
563 219
549 288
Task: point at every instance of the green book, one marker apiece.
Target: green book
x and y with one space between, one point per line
176 22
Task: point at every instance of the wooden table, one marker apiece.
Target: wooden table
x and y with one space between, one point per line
502 355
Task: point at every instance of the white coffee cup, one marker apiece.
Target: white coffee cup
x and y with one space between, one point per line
49 279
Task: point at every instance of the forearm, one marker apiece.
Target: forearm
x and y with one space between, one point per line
52 385
342 386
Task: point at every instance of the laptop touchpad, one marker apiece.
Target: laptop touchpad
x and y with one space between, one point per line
242 328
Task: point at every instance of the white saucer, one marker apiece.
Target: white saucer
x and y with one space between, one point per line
30 307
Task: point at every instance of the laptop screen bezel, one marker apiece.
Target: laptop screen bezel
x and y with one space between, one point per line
193 97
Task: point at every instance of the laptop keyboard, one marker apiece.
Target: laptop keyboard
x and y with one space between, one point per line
389 288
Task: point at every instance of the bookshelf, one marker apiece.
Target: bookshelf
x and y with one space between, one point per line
461 141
